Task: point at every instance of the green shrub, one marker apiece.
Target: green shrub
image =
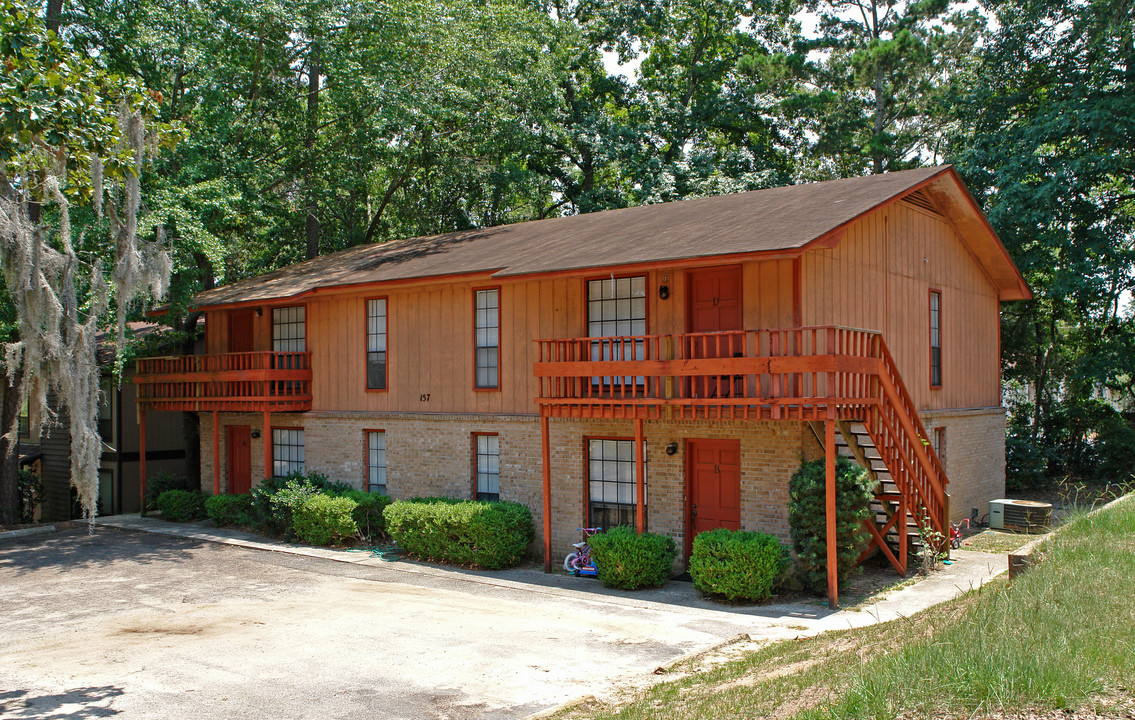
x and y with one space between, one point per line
736 564
368 514
275 500
229 509
807 519
162 482
181 505
325 520
31 494
491 535
628 560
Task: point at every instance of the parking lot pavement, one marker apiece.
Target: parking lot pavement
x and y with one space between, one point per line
153 626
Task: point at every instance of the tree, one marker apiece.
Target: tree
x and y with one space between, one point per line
71 133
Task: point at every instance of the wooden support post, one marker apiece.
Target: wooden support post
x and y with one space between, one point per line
216 452
142 461
267 436
547 456
640 477
829 485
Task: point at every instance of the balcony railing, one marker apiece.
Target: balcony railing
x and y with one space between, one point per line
231 382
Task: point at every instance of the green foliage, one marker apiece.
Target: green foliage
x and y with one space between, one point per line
325 520
225 510
275 500
737 565
163 482
368 513
31 495
181 505
807 519
629 560
491 535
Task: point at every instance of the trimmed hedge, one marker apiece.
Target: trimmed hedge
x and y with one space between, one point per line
181 505
628 561
738 565
491 535
229 509
325 520
368 514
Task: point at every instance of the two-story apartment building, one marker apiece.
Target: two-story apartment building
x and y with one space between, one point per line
665 366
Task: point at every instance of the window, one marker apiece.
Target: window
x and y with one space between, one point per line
488 466
376 461
935 339
106 412
287 451
486 331
611 482
940 445
376 344
25 420
616 307
289 329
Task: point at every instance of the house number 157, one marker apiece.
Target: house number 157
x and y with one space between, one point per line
424 397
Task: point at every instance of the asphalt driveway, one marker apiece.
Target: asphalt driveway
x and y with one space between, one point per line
152 626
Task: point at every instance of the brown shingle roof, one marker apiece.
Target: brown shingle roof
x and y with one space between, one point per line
777 219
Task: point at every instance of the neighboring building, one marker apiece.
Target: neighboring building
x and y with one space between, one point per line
119 469
536 362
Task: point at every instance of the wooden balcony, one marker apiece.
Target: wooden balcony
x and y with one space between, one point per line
790 374
232 382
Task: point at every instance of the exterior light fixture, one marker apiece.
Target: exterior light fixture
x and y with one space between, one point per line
672 448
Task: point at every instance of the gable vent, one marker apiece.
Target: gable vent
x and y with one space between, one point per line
921 200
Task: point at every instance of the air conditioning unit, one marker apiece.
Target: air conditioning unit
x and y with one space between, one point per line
1019 515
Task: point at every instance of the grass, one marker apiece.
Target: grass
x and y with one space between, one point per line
997 541
1055 638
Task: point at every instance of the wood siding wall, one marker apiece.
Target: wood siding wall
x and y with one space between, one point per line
879 277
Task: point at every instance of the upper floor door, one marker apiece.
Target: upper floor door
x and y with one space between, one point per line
241 331
715 306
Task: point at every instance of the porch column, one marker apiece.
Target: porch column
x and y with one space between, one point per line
547 456
267 444
829 485
640 478
216 453
142 460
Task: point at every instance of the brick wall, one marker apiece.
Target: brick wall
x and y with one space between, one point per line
975 457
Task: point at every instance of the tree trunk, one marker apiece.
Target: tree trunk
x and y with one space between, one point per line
10 451
312 224
51 15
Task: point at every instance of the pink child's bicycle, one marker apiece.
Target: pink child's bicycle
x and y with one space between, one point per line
579 562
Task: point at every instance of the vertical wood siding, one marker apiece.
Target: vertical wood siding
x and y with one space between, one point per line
879 278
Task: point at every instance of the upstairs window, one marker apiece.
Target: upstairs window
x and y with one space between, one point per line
488 466
289 329
486 340
376 344
935 339
287 451
376 461
616 307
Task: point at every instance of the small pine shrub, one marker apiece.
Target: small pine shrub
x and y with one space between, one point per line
226 510
808 524
163 482
32 494
368 514
628 560
325 520
491 535
275 500
737 565
181 505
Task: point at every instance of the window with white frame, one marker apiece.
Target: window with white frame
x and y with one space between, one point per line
612 489
486 330
287 451
616 307
376 461
289 329
376 344
488 466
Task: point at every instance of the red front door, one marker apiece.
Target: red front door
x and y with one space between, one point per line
713 478
241 331
715 306
240 459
